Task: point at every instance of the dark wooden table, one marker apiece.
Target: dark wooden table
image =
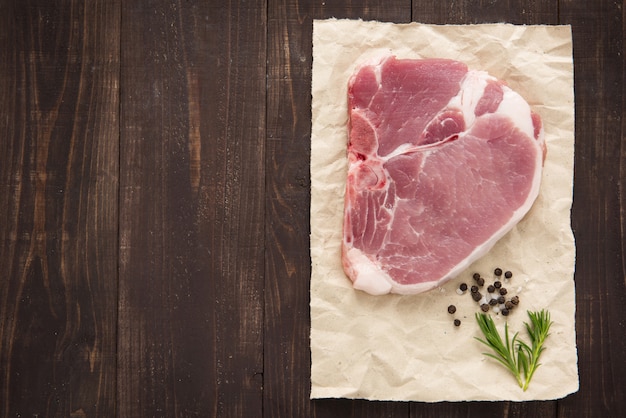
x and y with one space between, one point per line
154 206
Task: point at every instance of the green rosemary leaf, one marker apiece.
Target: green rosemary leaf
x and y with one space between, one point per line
519 357
522 362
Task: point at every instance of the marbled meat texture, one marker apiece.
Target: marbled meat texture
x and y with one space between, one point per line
443 161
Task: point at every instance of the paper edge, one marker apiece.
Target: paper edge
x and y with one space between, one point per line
317 393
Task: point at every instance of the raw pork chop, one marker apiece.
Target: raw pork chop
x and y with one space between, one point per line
443 161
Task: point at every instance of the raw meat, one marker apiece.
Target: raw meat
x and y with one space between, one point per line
443 162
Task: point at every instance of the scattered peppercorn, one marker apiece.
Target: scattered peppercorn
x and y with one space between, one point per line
497 305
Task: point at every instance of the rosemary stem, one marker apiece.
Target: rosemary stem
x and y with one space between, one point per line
521 359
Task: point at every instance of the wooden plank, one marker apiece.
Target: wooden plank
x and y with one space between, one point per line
599 206
535 409
486 11
59 103
191 306
471 12
464 12
191 215
287 324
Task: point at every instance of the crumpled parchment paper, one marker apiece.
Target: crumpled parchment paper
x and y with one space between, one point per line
406 348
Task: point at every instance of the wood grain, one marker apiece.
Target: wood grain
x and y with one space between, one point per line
191 209
58 201
476 12
287 324
598 210
520 12
154 206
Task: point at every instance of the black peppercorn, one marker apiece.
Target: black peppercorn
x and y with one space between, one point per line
497 284
508 274
484 307
476 296
474 289
501 300
476 276
493 302
503 291
457 322
491 288
463 287
451 309
515 300
509 305
480 281
505 312
498 272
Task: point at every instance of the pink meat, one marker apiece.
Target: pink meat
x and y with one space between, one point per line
443 161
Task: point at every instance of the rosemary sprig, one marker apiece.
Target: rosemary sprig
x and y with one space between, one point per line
520 358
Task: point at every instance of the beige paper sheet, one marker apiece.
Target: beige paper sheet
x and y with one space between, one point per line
405 347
